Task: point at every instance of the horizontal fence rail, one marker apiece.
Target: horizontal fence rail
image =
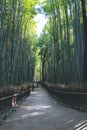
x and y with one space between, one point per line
63 91
66 92
6 102
14 95
67 96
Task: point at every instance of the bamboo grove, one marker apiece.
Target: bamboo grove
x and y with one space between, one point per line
63 41
62 44
17 35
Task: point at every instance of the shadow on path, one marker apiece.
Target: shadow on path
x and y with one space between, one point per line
40 111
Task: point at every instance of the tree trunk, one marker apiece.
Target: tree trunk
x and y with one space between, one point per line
85 40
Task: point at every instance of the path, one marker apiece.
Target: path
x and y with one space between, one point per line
40 111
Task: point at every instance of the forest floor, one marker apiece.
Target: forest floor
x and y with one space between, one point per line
40 111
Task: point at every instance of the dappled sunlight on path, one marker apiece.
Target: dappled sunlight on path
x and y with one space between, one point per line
40 111
82 125
24 116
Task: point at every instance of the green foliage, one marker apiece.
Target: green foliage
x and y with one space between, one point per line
61 44
17 38
60 47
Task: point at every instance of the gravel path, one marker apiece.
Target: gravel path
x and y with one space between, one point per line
40 111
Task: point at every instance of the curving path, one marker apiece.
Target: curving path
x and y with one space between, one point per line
40 111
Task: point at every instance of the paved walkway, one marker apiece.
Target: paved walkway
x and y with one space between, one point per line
40 111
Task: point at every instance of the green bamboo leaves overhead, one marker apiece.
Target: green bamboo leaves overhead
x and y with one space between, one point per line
62 44
17 34
65 32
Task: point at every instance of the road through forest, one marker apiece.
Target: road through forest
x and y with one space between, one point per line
40 111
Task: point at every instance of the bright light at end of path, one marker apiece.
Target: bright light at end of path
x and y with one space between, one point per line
41 20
